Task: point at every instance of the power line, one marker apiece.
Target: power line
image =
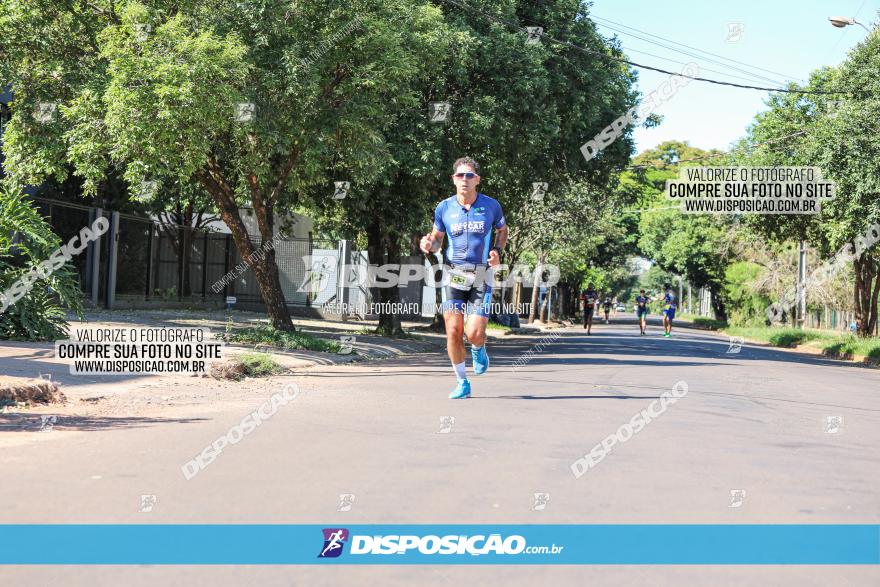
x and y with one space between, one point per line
753 75
631 50
648 67
713 155
599 18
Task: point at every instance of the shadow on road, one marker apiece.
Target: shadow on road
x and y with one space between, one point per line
567 397
572 347
48 422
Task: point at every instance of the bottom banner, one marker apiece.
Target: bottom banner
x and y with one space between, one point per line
428 544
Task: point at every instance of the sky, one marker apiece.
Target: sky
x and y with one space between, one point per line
788 37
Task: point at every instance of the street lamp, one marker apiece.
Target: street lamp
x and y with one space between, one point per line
842 21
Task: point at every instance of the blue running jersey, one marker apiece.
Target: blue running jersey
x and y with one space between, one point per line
468 231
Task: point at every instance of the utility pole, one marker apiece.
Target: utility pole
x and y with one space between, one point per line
802 285
679 290
690 307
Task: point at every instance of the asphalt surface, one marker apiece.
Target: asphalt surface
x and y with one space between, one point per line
762 436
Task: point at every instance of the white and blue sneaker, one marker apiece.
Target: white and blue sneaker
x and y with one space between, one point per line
462 390
481 359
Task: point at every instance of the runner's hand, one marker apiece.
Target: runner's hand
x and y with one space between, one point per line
494 259
427 246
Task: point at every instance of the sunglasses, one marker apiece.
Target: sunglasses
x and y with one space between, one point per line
467 175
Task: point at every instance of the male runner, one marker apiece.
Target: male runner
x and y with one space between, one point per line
589 297
642 310
467 218
668 310
606 305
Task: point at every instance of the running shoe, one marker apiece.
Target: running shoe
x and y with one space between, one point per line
481 360
462 390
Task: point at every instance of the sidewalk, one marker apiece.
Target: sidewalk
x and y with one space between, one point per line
121 392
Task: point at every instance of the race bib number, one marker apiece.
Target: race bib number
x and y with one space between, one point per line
460 279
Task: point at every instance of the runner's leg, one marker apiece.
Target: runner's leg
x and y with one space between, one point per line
476 330
454 320
453 316
475 327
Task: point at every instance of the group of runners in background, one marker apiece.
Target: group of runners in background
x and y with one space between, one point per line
591 301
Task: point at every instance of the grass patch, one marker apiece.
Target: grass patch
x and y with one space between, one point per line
267 335
259 364
246 365
792 337
832 344
493 326
851 346
710 323
781 337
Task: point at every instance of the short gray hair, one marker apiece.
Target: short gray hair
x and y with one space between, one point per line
466 161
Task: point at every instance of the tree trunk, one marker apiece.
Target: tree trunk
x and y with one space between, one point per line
865 293
717 304
384 248
438 324
265 269
535 288
872 316
187 245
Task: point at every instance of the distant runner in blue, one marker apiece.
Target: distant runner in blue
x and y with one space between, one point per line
642 311
467 219
669 305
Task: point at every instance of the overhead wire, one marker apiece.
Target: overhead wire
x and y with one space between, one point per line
631 63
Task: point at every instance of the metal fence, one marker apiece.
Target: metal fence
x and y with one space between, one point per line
142 260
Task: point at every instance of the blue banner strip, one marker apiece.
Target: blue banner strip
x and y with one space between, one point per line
256 544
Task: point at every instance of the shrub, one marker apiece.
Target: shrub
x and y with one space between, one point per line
710 323
26 240
746 307
792 337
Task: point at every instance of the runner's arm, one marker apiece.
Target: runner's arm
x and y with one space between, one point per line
500 237
500 241
432 242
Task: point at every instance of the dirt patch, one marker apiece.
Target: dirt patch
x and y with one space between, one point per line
18 390
229 369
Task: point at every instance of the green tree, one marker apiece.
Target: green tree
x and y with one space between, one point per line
690 245
846 145
837 133
252 101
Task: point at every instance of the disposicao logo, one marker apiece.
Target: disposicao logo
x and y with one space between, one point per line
334 540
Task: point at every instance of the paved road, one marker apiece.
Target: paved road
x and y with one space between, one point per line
753 422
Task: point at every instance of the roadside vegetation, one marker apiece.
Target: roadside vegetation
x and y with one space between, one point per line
281 339
246 365
839 346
